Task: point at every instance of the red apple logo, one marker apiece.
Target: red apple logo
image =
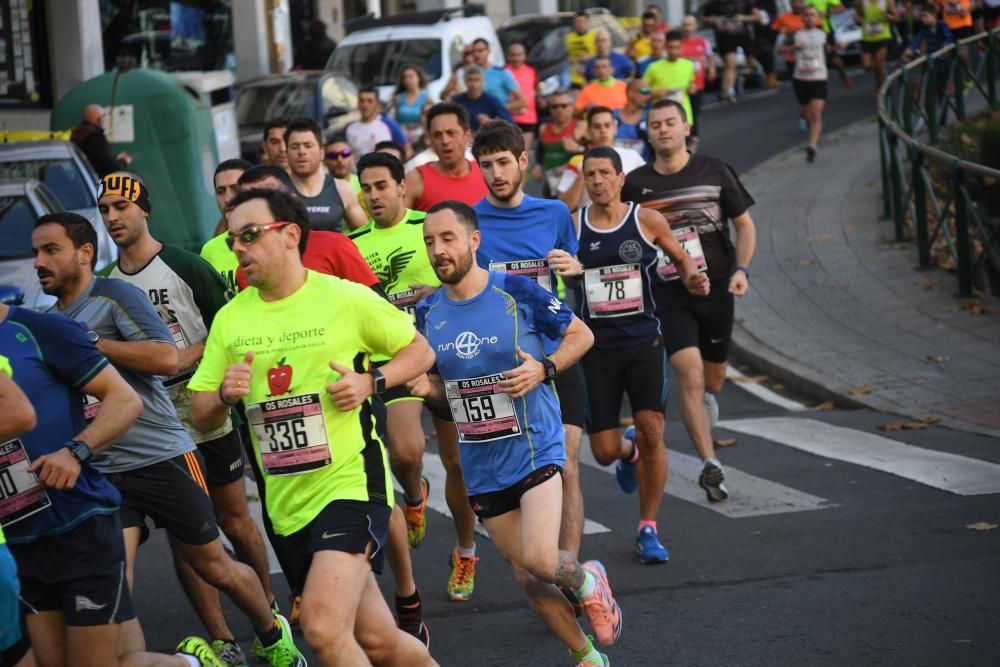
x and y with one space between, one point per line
279 378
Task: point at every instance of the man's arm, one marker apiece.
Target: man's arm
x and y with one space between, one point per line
746 243
150 357
18 413
571 195
354 215
414 188
655 227
353 388
575 341
516 101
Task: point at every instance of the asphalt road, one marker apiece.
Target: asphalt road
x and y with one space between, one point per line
840 545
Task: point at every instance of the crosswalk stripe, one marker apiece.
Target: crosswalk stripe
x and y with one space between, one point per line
949 472
764 393
748 495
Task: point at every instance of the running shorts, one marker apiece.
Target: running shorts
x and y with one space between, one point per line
174 494
572 392
871 48
80 573
343 525
696 100
639 370
705 322
961 33
806 91
224 460
528 127
496 503
728 43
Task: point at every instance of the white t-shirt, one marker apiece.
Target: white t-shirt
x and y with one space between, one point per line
810 55
362 137
630 160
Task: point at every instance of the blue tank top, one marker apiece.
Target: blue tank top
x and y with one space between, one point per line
616 295
409 114
633 135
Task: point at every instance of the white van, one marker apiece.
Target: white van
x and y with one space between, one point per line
374 53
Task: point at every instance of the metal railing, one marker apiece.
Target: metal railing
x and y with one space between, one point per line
914 105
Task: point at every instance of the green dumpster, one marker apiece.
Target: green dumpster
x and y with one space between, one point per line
167 129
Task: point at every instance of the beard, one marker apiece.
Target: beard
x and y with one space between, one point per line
516 187
71 276
460 269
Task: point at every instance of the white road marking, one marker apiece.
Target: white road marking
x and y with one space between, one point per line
949 472
748 495
765 394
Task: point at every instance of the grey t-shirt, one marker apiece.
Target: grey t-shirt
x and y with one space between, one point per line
118 311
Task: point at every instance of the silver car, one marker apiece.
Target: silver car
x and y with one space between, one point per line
21 204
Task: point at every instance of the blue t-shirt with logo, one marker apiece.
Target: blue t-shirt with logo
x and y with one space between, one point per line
51 359
501 440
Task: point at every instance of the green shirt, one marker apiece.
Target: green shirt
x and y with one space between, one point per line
677 75
824 8
309 451
222 259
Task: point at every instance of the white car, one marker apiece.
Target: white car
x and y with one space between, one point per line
21 204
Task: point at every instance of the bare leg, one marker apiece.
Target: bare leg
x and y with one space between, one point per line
233 513
130 638
571 529
398 555
455 492
652 469
204 599
407 444
690 371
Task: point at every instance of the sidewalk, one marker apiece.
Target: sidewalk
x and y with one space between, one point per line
836 306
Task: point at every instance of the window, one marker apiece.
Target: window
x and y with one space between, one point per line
378 63
17 221
255 105
60 175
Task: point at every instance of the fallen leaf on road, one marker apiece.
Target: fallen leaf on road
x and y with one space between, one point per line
981 525
779 387
931 419
725 442
825 405
806 263
891 426
931 284
863 390
818 237
752 379
973 306
914 426
950 309
935 360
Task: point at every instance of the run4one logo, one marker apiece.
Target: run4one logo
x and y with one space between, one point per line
279 378
467 344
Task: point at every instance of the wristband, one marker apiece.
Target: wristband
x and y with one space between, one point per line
224 401
744 270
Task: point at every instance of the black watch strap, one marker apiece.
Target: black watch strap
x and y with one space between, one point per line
80 450
550 370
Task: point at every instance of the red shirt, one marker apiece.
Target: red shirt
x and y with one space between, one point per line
697 50
439 187
331 253
527 79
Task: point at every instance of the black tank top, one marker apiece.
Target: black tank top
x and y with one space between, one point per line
619 264
326 210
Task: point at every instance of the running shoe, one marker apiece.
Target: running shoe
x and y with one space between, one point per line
624 470
283 652
647 545
572 599
296 610
200 650
410 620
416 516
274 606
711 480
810 153
803 125
848 81
603 612
462 582
590 663
712 407
229 653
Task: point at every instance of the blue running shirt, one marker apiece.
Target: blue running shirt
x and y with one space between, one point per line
51 360
501 440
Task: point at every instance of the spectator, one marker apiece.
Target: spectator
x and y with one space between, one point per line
933 34
622 67
456 84
729 19
527 79
631 119
557 141
318 46
658 47
498 81
787 24
482 106
763 41
604 91
581 46
673 77
641 46
339 160
698 50
362 135
272 144
410 101
89 137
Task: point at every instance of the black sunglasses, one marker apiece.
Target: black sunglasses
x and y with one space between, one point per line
333 155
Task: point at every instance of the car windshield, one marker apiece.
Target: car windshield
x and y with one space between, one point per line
378 63
17 220
61 175
255 105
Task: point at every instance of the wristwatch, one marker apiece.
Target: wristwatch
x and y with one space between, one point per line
550 370
93 336
80 450
379 381
745 270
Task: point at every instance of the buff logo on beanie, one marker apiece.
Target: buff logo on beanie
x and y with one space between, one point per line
127 186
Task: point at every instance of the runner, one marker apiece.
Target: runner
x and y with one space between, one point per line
155 465
373 126
393 245
272 145
658 46
215 252
331 202
730 20
187 293
698 50
557 141
826 8
875 18
523 235
619 243
696 194
512 444
224 181
339 160
62 523
300 372
809 46
673 77
631 132
580 44
452 174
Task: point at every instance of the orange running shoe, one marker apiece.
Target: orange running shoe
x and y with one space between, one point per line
604 613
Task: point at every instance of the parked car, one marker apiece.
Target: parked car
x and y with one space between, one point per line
847 35
66 171
376 49
329 98
22 202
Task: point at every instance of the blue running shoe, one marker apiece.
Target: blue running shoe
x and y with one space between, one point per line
803 126
648 546
625 471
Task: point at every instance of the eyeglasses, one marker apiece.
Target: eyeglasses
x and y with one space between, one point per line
252 233
343 154
560 106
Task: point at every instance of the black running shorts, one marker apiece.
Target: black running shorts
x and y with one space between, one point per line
224 460
572 392
79 573
174 494
807 91
496 503
705 322
639 370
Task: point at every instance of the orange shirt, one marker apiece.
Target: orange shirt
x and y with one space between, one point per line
597 94
956 13
787 24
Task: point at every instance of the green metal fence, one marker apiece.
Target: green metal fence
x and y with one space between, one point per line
916 102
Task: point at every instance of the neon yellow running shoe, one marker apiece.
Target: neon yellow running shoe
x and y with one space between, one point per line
283 652
199 649
462 582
